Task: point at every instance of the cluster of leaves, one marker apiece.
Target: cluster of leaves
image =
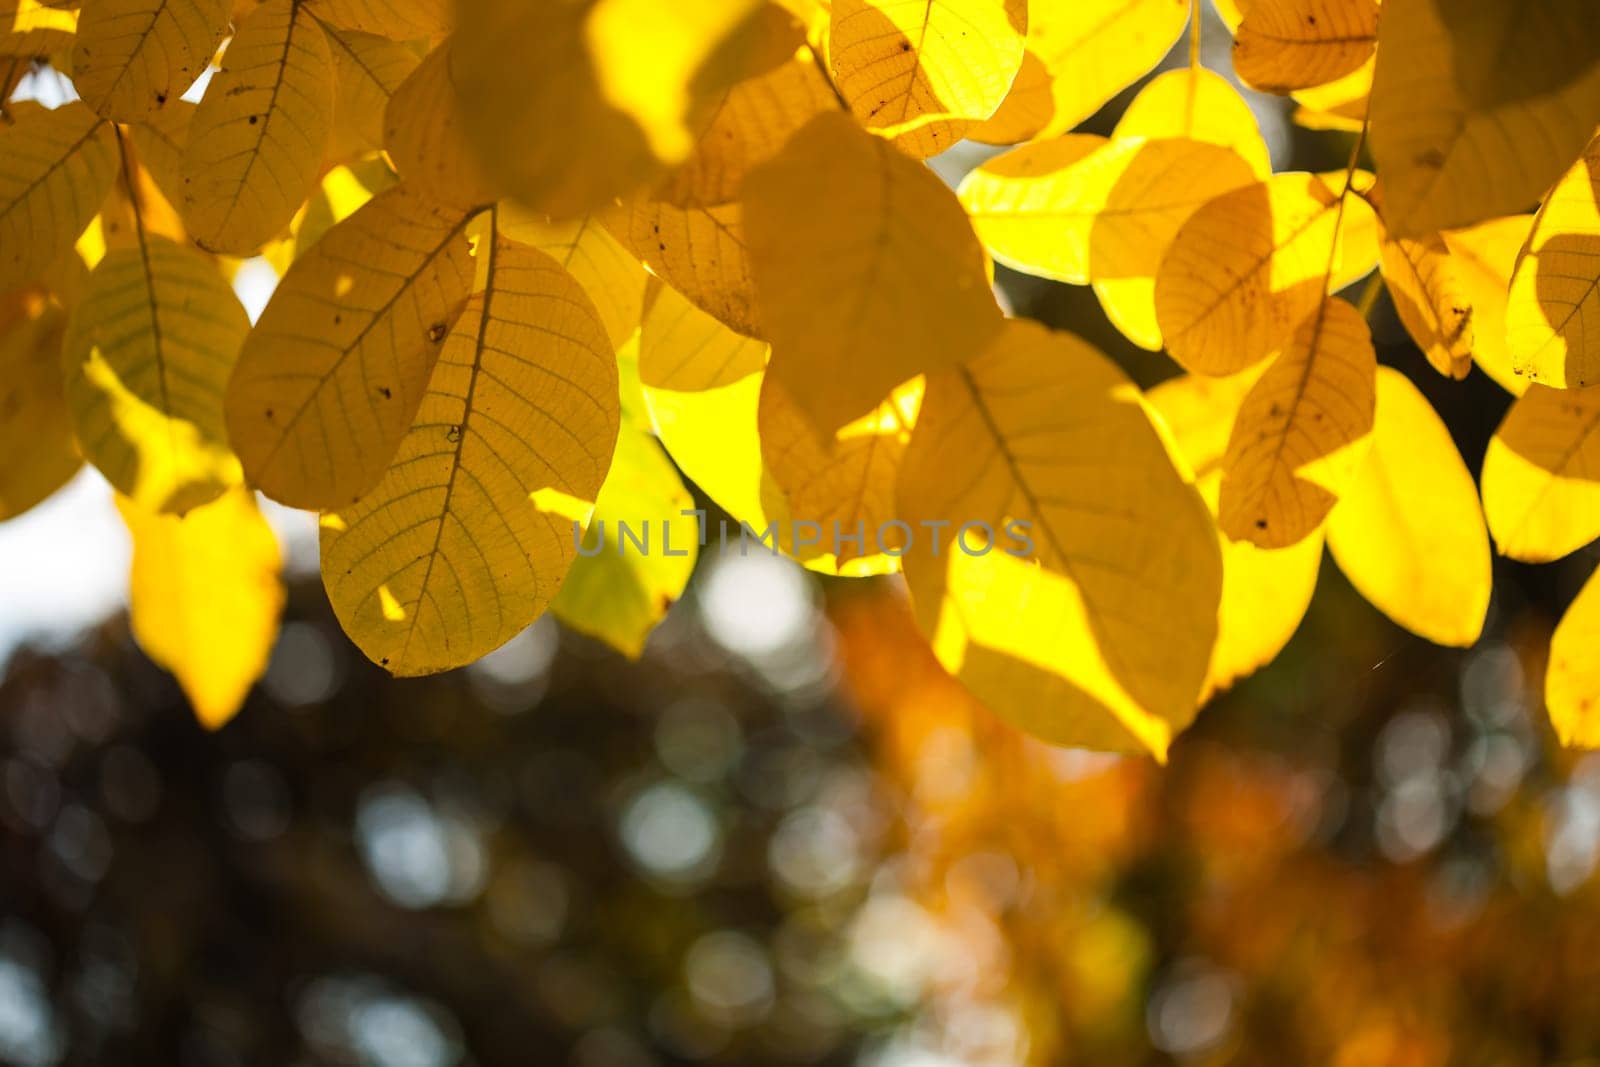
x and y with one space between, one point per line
523 242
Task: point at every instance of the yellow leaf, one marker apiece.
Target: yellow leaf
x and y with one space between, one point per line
36 430
1198 104
923 73
422 135
1079 54
467 536
343 191
1408 532
29 28
616 591
588 252
867 272
1555 290
367 69
331 376
1302 431
1541 475
1458 88
1099 632
1109 214
1339 105
398 20
159 141
134 56
1296 44
841 490
682 348
205 598
258 137
1572 681
1248 268
700 251
147 355
711 435
1265 592
571 104
56 168
1484 256
1432 300
751 123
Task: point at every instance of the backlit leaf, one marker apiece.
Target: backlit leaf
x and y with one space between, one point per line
422 135
134 56
1408 531
56 168
684 349
1102 635
1302 431
1572 680
1432 300
398 20
617 591
1553 311
700 251
1295 44
1265 592
1079 54
1248 268
258 136
330 378
1460 88
1541 475
571 104
587 251
147 354
1484 256
923 73
35 427
867 272
29 28
367 69
1201 105
205 598
469 533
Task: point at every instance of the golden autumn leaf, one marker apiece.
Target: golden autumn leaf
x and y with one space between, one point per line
1541 474
1100 633
256 142
1460 86
1296 44
701 251
1108 214
595 259
1265 592
205 598
867 272
422 134
923 73
35 426
1078 55
569 105
367 69
134 56
1432 299
711 434
1198 104
1555 289
56 168
331 376
1484 256
1572 680
839 492
1408 531
618 590
468 534
684 349
1250 266
1302 431
148 350
398 20
31 28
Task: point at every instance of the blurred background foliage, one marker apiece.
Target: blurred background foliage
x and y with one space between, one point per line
784 836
